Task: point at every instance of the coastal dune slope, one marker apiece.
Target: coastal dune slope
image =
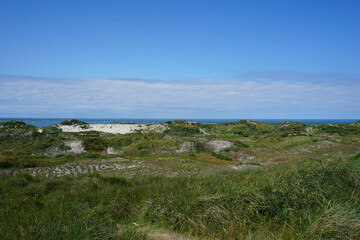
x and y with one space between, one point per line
74 125
109 128
180 180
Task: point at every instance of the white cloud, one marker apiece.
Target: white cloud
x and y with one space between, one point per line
22 96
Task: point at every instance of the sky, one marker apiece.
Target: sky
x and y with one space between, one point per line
180 59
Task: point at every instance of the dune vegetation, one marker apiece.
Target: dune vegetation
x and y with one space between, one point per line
183 180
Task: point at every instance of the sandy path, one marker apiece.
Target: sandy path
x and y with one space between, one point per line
70 169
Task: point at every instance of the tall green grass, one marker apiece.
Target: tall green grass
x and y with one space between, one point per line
306 200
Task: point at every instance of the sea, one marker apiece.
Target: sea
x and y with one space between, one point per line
43 122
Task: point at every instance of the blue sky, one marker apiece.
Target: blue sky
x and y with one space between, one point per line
180 59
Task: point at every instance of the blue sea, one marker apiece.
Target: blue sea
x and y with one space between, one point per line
43 122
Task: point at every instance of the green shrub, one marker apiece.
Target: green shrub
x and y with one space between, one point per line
178 130
52 130
94 144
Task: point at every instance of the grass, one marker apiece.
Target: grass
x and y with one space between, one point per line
75 122
311 194
148 146
306 200
295 141
215 159
16 127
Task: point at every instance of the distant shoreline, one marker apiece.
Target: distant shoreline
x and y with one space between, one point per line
44 122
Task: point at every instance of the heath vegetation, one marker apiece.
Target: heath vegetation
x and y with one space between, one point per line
240 180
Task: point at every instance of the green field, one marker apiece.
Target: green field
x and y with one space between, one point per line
241 180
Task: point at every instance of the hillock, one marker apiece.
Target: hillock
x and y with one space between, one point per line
182 128
16 127
75 123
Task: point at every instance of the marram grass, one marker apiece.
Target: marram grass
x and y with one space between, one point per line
293 181
305 200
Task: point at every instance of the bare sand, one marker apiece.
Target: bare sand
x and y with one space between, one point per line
119 128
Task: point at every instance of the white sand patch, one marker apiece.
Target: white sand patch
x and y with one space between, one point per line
309 130
186 147
76 147
66 147
203 132
111 150
109 128
119 128
70 169
160 128
219 145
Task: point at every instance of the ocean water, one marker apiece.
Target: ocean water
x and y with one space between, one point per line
43 122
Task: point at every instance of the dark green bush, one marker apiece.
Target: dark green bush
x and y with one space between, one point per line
94 144
51 130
